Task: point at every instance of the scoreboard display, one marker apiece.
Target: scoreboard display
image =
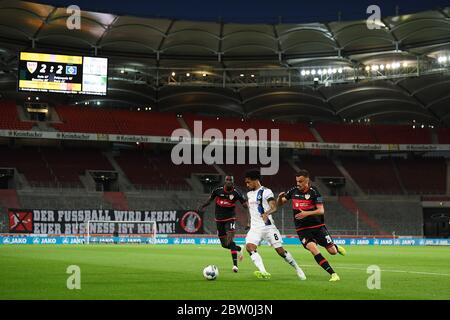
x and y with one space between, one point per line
43 72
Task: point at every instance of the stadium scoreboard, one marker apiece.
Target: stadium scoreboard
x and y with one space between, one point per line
43 72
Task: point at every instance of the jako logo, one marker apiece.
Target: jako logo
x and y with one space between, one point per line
213 153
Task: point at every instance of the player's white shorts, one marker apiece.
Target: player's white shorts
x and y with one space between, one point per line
267 233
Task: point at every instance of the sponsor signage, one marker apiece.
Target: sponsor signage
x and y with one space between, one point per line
169 140
186 240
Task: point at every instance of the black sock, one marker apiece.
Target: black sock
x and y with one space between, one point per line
324 263
234 252
234 257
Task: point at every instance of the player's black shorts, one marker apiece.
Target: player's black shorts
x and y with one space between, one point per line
318 235
224 227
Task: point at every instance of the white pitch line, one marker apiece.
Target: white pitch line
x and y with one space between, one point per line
384 270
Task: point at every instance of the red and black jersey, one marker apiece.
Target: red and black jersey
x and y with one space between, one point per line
226 203
306 201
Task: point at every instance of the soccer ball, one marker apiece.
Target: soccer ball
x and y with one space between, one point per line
211 272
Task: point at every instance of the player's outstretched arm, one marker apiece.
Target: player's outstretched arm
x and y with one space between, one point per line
245 205
202 207
281 199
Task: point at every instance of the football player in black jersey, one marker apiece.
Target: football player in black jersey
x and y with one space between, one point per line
225 198
307 205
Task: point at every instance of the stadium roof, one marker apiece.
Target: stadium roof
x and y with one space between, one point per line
145 53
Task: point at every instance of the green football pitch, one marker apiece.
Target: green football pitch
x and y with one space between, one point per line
175 272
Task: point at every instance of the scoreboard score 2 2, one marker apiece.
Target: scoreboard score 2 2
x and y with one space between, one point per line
44 72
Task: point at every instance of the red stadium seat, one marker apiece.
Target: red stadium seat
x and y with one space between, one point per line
51 166
90 120
381 178
390 134
318 166
86 120
287 131
423 176
444 135
345 133
151 171
145 123
377 134
9 118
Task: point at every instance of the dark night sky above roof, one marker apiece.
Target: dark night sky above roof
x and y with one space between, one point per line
252 11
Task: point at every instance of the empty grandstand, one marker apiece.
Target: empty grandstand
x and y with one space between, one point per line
368 116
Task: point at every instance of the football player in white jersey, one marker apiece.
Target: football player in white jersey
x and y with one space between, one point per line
262 204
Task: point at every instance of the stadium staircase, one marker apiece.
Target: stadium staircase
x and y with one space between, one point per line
397 175
294 166
42 126
434 137
87 182
323 189
20 181
316 134
122 179
350 204
350 185
195 183
22 115
184 125
118 200
53 115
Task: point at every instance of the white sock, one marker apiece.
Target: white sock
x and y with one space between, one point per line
257 260
290 259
